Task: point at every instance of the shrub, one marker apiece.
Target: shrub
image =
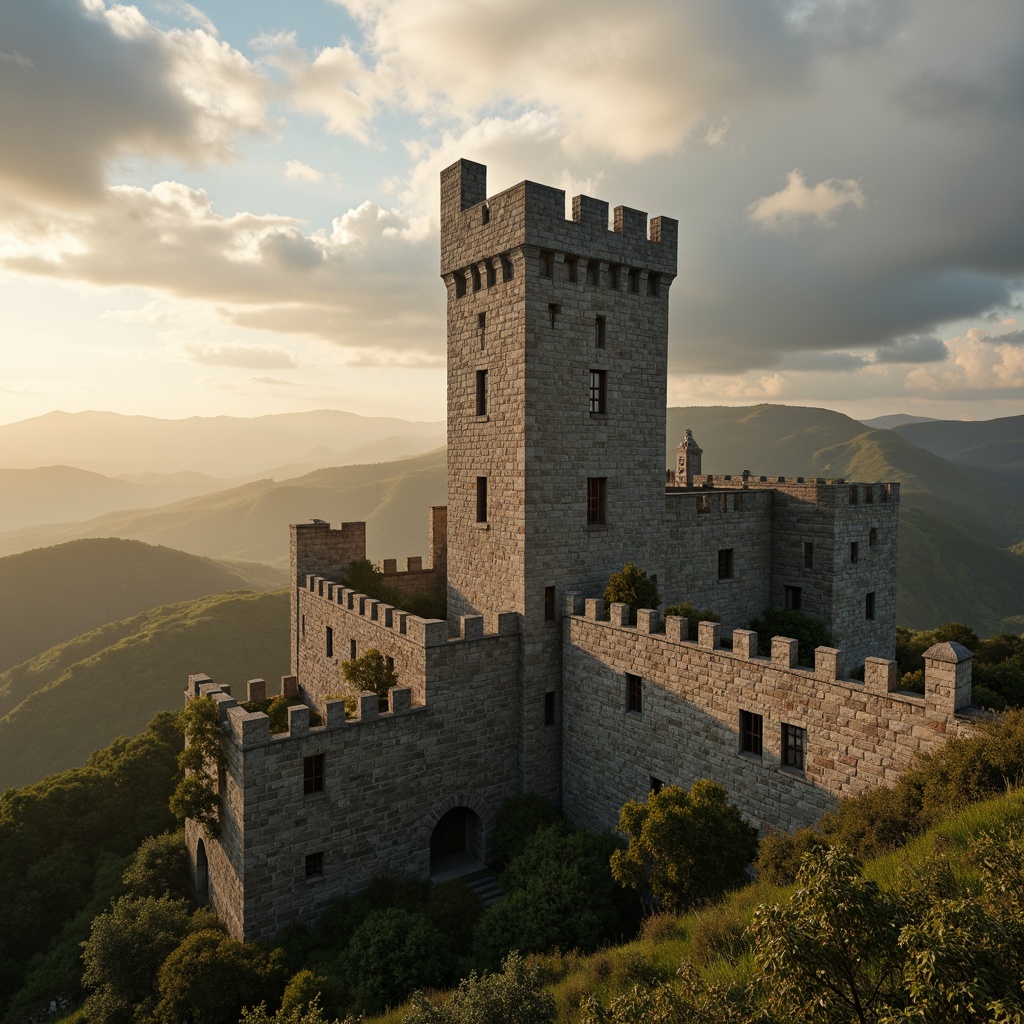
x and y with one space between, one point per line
159 867
372 672
518 818
693 616
808 631
780 854
634 587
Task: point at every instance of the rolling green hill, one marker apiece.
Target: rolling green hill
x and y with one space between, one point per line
251 522
52 594
80 695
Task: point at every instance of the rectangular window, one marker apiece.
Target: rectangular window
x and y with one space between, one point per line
593 272
390 662
634 280
313 774
794 746
553 310
492 274
613 277
872 537
653 284
793 597
481 392
547 264
549 604
330 642
303 626
751 733
314 865
481 326
596 488
549 707
481 499
854 551
808 555
725 564
853 494
598 392
351 650
869 605
600 332
656 785
570 268
634 693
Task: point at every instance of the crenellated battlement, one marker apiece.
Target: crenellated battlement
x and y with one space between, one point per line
830 491
947 666
476 229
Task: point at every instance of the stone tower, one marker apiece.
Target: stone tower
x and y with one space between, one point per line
688 455
557 350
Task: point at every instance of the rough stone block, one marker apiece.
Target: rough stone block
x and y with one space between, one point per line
709 634
648 620
472 627
828 663
785 652
879 675
369 706
399 699
256 691
298 720
619 613
744 643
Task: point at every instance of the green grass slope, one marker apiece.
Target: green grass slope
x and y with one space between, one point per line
110 682
251 522
996 444
52 594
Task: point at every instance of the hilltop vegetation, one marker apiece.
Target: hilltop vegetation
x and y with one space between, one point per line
50 595
60 706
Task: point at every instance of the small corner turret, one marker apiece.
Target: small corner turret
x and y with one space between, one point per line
688 463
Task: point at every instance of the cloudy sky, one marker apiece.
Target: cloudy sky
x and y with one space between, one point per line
232 207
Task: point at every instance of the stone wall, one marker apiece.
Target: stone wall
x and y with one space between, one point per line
388 779
858 735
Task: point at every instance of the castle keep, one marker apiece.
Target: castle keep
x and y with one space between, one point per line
557 379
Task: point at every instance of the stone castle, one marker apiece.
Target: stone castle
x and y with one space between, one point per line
557 379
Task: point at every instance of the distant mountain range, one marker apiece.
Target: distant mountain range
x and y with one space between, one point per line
219 446
57 708
961 512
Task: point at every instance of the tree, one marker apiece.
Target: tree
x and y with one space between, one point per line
363 576
124 951
371 672
832 953
683 847
633 586
196 795
809 632
514 996
209 977
159 867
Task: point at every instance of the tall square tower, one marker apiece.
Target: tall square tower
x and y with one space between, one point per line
557 353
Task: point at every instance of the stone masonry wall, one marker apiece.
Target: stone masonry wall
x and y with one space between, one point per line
858 735
389 778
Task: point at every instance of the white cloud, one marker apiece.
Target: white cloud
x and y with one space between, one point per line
796 203
253 357
978 363
89 84
296 170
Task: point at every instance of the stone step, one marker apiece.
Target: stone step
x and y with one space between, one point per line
485 885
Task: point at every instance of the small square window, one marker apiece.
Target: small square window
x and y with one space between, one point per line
794 596
314 865
481 392
634 693
330 642
656 785
869 605
751 733
549 604
598 392
481 499
600 332
313 774
596 497
872 537
725 565
549 707
794 746
808 555
854 551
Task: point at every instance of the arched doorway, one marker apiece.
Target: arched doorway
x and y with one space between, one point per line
456 844
202 871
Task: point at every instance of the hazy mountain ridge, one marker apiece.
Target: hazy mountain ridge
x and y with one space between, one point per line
52 594
79 696
221 446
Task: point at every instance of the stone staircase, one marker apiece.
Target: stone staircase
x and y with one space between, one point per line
485 885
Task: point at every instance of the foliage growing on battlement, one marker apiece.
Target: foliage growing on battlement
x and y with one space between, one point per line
634 587
203 758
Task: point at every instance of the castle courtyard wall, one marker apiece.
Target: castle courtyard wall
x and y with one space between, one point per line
859 734
388 779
